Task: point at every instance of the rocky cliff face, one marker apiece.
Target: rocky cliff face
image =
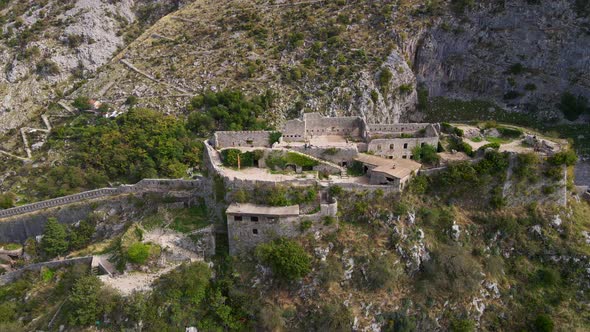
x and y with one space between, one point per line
521 54
47 47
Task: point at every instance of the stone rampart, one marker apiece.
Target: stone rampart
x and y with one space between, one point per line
143 185
397 127
317 125
92 194
228 139
14 275
18 224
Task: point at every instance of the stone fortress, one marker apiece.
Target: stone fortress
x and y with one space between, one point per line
337 142
384 153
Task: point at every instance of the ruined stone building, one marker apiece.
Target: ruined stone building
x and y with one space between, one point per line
396 172
249 224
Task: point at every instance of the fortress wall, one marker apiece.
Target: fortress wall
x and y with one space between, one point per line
14 275
343 126
227 139
399 147
293 131
18 224
242 238
397 127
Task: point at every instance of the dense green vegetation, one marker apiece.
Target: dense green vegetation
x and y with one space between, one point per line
60 238
278 195
228 110
235 158
287 259
426 154
139 144
7 200
280 160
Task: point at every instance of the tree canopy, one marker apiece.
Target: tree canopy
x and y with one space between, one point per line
55 238
228 110
287 259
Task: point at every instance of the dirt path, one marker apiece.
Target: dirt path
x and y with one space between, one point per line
135 281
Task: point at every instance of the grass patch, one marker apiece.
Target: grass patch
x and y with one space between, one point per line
498 140
188 220
12 246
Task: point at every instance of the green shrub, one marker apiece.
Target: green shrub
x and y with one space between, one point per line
332 317
138 253
398 322
228 110
7 200
452 271
82 103
568 158
305 225
462 325
287 259
274 137
543 323
335 191
356 168
329 220
385 78
516 69
495 146
382 272
426 154
510 132
405 88
85 301
47 67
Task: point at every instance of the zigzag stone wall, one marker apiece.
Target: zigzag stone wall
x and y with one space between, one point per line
12 276
18 224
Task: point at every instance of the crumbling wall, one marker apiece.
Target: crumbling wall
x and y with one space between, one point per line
18 224
14 275
397 127
228 139
399 147
316 125
244 235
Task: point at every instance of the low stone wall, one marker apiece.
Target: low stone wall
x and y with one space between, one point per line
228 139
14 275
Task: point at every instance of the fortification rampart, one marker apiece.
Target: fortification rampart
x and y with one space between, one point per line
143 185
397 127
14 275
227 139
